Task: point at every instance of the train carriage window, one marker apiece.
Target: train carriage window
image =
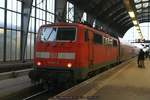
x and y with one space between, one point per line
97 38
110 41
104 40
86 36
114 43
107 42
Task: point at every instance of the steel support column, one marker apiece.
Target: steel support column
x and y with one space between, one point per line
25 18
5 32
77 14
60 10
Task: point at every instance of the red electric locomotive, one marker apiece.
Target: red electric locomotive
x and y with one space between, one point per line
67 51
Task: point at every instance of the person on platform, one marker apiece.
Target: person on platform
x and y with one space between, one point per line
141 59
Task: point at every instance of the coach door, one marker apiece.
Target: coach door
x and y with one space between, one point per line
89 39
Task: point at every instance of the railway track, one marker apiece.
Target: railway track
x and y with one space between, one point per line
35 95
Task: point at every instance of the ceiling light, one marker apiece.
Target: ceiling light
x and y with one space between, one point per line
135 22
131 13
137 28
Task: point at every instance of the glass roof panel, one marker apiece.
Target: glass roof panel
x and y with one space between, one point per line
138 6
145 0
145 5
140 10
137 1
145 10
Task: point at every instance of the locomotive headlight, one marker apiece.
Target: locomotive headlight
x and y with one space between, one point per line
69 65
39 63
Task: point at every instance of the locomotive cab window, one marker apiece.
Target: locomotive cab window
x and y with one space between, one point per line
47 34
66 34
57 34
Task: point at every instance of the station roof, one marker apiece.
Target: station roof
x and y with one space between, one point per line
114 13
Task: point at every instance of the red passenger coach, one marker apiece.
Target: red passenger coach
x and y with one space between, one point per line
72 51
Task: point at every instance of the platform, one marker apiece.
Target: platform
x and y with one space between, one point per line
14 66
124 82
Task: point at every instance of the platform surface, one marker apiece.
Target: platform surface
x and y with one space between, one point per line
127 82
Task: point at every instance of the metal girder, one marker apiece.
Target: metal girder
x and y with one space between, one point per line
60 10
143 14
97 7
114 11
126 22
119 17
109 18
123 19
85 4
109 11
119 13
143 20
25 18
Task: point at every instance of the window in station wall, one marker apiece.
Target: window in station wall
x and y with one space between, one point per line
13 30
50 11
1 30
32 24
2 6
70 12
2 18
2 3
30 47
30 39
44 12
40 14
18 34
1 43
13 45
